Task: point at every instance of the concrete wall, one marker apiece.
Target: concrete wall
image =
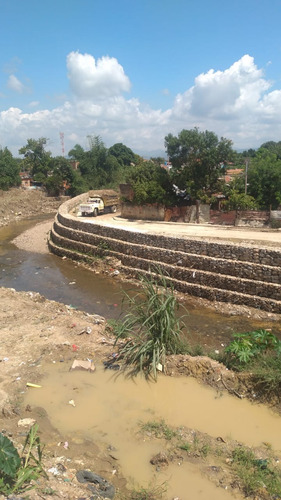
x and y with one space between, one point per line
142 212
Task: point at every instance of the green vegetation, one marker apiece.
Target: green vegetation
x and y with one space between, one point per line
251 345
9 170
158 429
257 352
150 493
198 160
151 184
17 473
256 475
151 327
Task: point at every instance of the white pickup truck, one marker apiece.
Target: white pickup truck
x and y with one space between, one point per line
98 205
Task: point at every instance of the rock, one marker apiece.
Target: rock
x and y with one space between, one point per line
160 459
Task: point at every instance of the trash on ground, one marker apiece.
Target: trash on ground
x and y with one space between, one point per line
54 471
71 402
26 422
99 486
79 364
35 386
87 330
111 365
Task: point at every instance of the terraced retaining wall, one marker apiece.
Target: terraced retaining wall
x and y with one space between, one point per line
228 272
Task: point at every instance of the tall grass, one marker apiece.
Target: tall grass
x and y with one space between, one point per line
151 326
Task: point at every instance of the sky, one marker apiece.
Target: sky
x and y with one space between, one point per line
133 71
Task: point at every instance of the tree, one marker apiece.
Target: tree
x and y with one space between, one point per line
151 184
77 153
61 177
264 179
9 170
158 160
273 147
240 201
122 153
198 159
37 160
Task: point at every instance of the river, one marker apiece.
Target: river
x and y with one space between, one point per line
67 282
108 409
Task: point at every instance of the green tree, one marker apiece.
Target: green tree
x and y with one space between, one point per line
37 159
122 153
273 147
9 170
264 179
61 177
158 160
77 153
198 159
240 201
151 184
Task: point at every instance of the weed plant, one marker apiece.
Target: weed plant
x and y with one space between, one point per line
249 346
151 326
159 429
17 473
258 352
150 493
256 475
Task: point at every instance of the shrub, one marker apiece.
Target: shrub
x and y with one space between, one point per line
16 473
151 326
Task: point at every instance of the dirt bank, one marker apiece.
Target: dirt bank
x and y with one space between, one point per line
35 331
17 204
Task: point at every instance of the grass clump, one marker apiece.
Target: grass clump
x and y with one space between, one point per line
150 493
159 429
17 472
257 476
151 326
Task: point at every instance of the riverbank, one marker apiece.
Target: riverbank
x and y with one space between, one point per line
17 204
46 332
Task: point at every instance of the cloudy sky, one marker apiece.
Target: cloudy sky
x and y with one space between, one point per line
133 71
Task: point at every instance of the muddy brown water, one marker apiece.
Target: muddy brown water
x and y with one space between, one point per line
108 409
66 282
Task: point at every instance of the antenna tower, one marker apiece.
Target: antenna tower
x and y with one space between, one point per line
62 142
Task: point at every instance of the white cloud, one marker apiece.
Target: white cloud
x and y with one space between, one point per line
15 84
34 104
91 79
236 103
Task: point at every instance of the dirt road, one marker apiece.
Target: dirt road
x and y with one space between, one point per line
247 235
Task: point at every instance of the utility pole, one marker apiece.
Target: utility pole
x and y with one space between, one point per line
246 173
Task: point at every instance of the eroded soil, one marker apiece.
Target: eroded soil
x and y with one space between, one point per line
35 330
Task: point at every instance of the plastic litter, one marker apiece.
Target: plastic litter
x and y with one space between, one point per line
54 471
74 347
71 402
35 386
78 364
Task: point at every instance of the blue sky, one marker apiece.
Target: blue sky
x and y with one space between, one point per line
133 71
